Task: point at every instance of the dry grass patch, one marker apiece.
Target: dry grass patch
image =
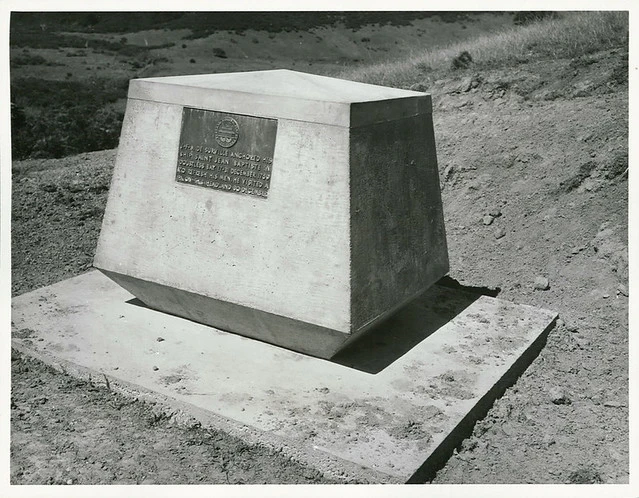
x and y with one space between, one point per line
572 35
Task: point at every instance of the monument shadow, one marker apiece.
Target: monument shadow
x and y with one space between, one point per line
391 339
397 335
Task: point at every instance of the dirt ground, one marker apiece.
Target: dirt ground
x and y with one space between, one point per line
533 164
67 431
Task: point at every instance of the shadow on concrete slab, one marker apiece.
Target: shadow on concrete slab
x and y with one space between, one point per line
397 335
394 337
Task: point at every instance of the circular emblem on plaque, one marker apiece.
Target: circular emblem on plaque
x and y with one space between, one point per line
227 132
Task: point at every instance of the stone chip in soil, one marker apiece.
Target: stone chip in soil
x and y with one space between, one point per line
541 283
558 396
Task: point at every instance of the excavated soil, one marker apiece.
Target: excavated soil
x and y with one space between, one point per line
533 163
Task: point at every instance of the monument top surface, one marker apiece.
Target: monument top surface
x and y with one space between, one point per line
285 94
286 83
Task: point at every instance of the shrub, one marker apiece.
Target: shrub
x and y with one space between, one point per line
58 118
47 134
218 52
27 59
18 117
462 61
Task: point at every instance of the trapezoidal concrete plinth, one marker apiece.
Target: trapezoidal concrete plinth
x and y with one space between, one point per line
297 209
388 409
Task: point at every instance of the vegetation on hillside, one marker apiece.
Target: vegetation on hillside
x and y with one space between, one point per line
59 118
77 114
203 24
570 36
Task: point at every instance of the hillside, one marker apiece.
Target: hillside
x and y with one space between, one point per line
533 160
76 102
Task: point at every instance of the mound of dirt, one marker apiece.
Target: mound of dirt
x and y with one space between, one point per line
549 170
57 209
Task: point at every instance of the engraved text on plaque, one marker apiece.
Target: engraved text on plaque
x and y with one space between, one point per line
223 151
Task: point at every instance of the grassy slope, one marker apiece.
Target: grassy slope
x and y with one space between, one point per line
572 35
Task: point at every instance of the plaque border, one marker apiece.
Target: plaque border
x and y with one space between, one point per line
177 154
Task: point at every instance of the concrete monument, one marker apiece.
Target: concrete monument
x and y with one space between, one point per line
292 208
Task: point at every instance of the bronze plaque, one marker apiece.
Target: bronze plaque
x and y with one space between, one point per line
230 152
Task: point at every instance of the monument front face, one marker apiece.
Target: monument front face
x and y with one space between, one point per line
292 208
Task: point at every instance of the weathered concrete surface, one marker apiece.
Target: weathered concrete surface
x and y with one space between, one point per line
268 254
398 240
285 94
389 410
352 227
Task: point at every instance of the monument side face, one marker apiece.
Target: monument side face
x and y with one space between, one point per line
398 240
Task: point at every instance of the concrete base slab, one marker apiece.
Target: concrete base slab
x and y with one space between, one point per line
390 408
